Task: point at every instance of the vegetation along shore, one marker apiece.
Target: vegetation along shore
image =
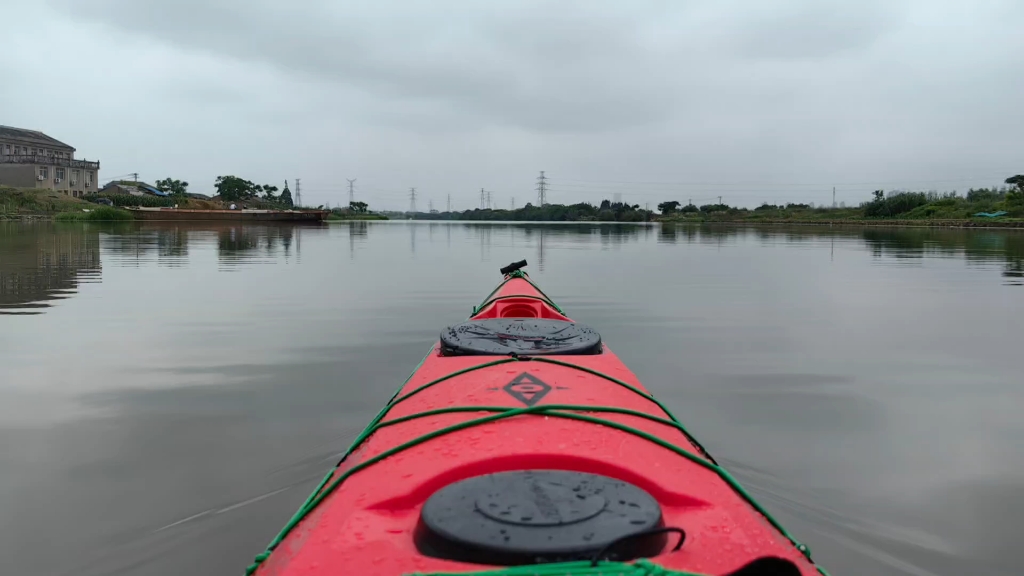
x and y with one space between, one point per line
1001 206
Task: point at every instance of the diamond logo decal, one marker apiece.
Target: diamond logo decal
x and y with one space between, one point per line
527 389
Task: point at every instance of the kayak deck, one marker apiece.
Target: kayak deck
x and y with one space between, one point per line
461 417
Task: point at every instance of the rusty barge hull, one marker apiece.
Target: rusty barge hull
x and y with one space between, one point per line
166 214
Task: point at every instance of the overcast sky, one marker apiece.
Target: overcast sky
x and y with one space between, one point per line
760 100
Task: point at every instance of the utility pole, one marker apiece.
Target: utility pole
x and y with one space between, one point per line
489 203
481 198
430 206
136 176
412 200
298 191
833 196
449 203
542 188
719 200
351 191
513 202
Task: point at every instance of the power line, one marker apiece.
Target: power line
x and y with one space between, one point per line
542 188
412 200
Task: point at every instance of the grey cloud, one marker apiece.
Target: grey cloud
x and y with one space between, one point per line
450 96
524 69
807 30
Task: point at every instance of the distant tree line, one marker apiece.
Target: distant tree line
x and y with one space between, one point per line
606 211
234 189
903 204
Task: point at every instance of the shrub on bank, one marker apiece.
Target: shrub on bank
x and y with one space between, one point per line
894 204
101 214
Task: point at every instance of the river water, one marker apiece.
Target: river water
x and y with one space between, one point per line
169 394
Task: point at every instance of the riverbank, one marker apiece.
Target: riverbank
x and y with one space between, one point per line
28 204
95 214
344 217
39 204
857 222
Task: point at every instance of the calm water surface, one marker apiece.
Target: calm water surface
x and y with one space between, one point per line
170 394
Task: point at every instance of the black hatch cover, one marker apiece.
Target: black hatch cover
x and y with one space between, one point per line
539 516
525 337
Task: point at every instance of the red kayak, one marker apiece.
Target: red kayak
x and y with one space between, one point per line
523 445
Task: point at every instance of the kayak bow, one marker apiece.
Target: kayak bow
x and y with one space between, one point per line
522 445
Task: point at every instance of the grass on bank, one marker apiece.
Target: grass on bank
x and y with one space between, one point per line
17 201
895 206
98 214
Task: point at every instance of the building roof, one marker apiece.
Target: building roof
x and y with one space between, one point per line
31 136
133 187
153 190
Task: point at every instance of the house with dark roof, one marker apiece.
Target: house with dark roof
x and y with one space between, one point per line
133 188
31 159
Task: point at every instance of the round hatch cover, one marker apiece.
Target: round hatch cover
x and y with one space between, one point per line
538 516
531 336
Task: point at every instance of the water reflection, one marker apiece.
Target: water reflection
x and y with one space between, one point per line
43 262
358 232
245 244
905 246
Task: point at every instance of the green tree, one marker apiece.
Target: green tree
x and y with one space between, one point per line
176 187
268 192
233 188
358 206
1018 194
668 207
286 196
